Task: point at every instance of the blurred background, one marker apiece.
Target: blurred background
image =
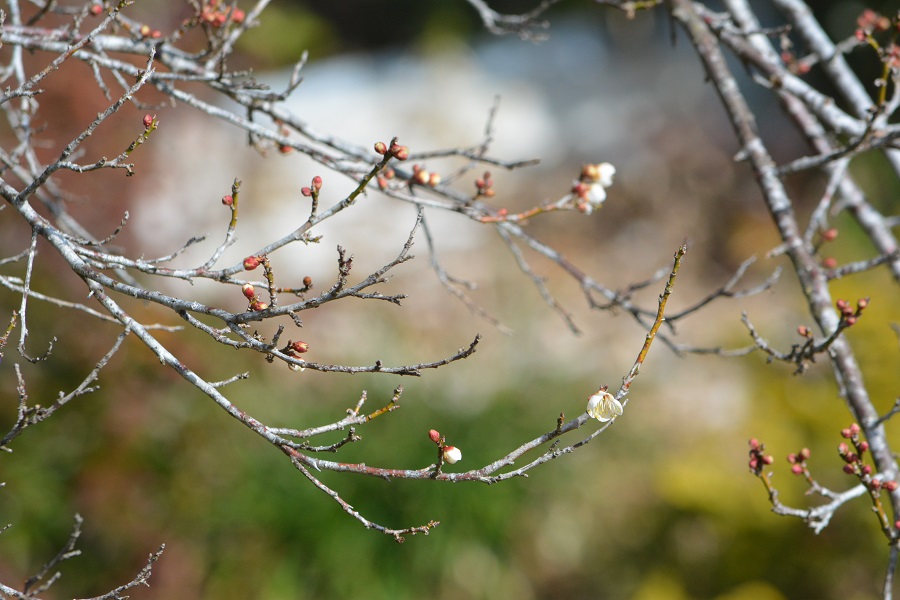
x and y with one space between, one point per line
661 506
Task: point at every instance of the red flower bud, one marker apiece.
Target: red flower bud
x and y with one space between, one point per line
251 262
848 469
249 291
96 9
300 347
317 183
797 470
148 121
435 436
830 262
399 152
889 485
381 148
830 235
238 16
227 200
258 305
306 192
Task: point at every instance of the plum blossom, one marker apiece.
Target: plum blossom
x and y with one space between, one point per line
604 407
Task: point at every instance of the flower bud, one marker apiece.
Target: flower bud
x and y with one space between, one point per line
258 305
890 485
306 192
249 291
452 454
251 262
399 152
307 282
381 148
300 347
434 180
797 470
317 183
861 304
96 9
830 235
227 200
421 177
148 121
434 435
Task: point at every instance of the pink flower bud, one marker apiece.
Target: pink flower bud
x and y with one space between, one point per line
768 459
300 347
227 200
797 470
399 152
238 16
249 291
148 121
434 435
317 183
251 262
830 262
867 470
861 304
434 180
829 235
754 444
889 485
854 429
381 148
805 453
258 305
848 469
306 192
96 9
421 177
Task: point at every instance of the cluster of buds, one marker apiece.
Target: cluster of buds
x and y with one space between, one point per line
603 406
849 315
854 461
394 150
216 14
423 177
798 461
294 350
255 304
314 187
869 22
484 185
758 457
384 177
448 454
147 32
589 189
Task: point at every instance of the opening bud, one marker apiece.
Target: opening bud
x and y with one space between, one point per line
452 454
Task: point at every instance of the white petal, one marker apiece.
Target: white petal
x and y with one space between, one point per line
597 194
604 407
606 174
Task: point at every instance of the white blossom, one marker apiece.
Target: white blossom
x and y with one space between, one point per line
604 407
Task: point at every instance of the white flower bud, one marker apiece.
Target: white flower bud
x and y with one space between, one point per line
452 454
